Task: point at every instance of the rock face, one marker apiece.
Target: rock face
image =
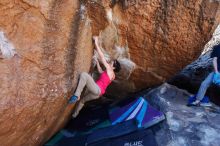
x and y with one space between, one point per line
46 44
48 38
154 34
185 126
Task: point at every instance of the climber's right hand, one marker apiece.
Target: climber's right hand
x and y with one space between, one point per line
95 38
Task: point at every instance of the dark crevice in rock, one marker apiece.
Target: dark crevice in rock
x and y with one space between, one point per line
72 51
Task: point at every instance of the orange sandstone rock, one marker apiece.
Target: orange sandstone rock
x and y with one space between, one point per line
162 36
52 41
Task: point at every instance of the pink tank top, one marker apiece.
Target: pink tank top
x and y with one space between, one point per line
103 82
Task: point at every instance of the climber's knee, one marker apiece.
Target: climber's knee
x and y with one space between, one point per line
83 75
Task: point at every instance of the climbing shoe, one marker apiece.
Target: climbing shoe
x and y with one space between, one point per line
73 99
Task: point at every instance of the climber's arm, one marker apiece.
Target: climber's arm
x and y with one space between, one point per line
100 53
99 67
215 64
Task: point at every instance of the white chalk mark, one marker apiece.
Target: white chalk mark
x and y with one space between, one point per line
7 48
109 15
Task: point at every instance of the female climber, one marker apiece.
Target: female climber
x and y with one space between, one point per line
98 88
